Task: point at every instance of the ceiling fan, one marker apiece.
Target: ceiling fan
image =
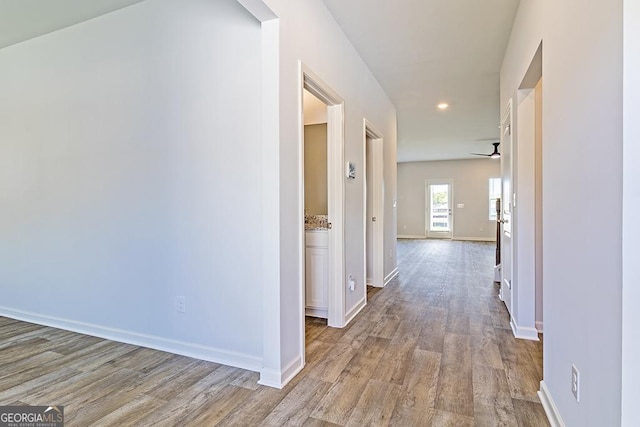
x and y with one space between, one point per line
494 155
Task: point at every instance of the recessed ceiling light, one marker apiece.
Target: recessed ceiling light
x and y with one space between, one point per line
443 106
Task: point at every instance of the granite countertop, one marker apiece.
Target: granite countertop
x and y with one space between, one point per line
315 222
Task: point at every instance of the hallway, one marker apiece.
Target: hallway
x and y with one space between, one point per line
432 348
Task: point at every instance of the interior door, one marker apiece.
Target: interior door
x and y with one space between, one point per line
439 213
370 214
507 209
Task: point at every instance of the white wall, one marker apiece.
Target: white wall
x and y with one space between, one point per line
631 228
335 61
131 152
470 188
582 113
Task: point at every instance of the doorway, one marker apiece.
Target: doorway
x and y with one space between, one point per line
333 264
373 206
439 213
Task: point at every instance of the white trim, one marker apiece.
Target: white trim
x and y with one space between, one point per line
427 215
258 9
525 333
411 236
508 207
316 312
391 276
196 351
539 325
550 408
336 202
355 310
270 214
277 379
475 239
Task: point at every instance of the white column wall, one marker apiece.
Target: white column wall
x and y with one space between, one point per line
631 227
582 174
131 174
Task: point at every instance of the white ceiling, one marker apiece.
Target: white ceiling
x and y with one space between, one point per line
424 52
22 20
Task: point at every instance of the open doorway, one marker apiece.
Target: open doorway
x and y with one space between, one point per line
528 287
373 206
521 251
321 257
315 207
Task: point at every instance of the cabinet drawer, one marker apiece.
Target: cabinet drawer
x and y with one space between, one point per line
317 239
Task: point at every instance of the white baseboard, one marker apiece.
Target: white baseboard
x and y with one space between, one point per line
549 406
475 239
390 276
197 351
525 333
463 239
322 313
355 310
539 326
276 379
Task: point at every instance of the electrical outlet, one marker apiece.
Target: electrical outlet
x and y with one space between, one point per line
575 382
352 283
181 304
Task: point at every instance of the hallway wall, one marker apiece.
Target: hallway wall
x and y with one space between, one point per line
582 113
631 226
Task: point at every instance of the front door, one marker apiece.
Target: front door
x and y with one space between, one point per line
439 198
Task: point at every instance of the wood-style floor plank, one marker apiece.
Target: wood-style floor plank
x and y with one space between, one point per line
415 405
455 384
432 348
341 398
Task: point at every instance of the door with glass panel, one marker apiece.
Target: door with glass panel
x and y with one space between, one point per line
438 211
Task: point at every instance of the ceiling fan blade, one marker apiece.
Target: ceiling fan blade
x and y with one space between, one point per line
478 154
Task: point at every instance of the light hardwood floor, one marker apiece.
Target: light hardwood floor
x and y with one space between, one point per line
433 348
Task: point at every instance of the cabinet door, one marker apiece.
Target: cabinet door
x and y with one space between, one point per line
316 277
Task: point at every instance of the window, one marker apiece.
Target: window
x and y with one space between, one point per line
494 194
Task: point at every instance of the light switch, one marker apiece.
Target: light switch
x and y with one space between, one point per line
460 205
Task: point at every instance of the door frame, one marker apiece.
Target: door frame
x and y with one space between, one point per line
427 209
508 205
377 178
335 197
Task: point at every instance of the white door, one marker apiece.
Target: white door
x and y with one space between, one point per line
370 214
373 205
507 208
439 214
